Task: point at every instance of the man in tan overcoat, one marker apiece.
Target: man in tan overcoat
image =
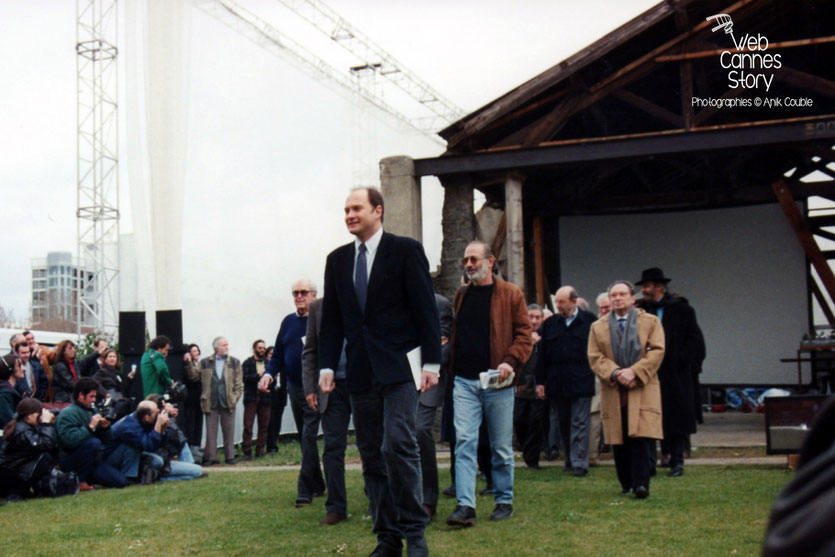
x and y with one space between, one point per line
626 348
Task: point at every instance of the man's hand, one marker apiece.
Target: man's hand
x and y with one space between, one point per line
96 420
162 422
313 401
504 371
626 377
428 380
326 382
187 357
444 340
171 409
265 382
535 337
540 392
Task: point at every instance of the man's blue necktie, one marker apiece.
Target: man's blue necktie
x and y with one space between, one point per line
621 327
361 277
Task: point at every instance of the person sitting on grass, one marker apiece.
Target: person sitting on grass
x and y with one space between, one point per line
81 432
29 453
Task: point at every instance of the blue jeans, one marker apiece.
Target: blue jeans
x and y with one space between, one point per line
471 402
126 459
85 461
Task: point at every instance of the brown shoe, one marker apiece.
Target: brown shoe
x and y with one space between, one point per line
84 486
332 519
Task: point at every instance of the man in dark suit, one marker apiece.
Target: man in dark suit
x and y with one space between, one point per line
564 375
685 350
428 404
334 410
379 298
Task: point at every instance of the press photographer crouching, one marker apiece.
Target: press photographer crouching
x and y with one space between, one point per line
29 454
146 436
81 434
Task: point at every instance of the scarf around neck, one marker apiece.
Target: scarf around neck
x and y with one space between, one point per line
626 349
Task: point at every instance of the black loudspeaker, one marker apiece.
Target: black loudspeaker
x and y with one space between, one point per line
131 333
170 324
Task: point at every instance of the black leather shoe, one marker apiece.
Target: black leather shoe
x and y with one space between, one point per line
231 461
534 467
417 548
462 516
676 471
503 511
247 456
627 491
641 492
449 491
383 550
487 490
301 502
320 493
579 472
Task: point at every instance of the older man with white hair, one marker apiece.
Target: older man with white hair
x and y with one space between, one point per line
223 385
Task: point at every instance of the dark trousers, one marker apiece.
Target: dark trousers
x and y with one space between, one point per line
674 445
632 460
12 482
295 396
278 400
262 411
428 460
86 462
528 417
190 418
335 422
384 417
310 474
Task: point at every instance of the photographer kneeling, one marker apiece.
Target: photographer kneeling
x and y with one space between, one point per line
142 434
81 431
29 455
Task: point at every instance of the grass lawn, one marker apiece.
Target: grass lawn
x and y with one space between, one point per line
712 510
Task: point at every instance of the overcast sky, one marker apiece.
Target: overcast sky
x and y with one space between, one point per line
270 149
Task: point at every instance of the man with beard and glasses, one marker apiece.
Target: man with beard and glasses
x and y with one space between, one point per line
491 332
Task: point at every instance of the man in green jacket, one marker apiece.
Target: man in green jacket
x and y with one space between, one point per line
155 376
81 432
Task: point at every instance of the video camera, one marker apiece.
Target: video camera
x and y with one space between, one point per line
175 393
107 410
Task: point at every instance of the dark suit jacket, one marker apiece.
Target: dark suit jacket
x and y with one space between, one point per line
435 397
310 356
400 314
563 363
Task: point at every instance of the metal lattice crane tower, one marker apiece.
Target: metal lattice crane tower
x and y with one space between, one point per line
97 286
442 111
438 111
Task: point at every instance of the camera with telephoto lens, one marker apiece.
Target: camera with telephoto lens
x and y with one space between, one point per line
106 409
175 393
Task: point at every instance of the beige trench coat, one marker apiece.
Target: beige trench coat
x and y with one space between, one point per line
644 402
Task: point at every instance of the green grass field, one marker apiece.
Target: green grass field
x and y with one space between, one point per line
712 510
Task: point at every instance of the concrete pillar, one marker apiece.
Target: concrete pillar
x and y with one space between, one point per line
458 226
401 192
515 232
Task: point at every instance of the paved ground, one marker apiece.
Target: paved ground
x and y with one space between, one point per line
727 429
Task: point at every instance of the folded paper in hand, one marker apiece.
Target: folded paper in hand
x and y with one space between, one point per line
490 379
415 364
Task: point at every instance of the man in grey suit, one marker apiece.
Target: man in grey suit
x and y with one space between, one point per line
428 403
334 410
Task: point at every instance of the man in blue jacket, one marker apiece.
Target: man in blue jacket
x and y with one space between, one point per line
142 433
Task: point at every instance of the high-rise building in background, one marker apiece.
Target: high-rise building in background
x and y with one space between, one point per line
56 282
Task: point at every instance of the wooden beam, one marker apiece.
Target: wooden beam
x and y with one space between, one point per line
478 121
822 301
499 238
685 72
552 123
515 230
804 235
539 261
805 81
649 107
719 51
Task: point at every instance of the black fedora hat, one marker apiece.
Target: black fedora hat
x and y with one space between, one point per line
653 274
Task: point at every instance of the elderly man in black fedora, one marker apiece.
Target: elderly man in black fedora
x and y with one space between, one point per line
678 374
